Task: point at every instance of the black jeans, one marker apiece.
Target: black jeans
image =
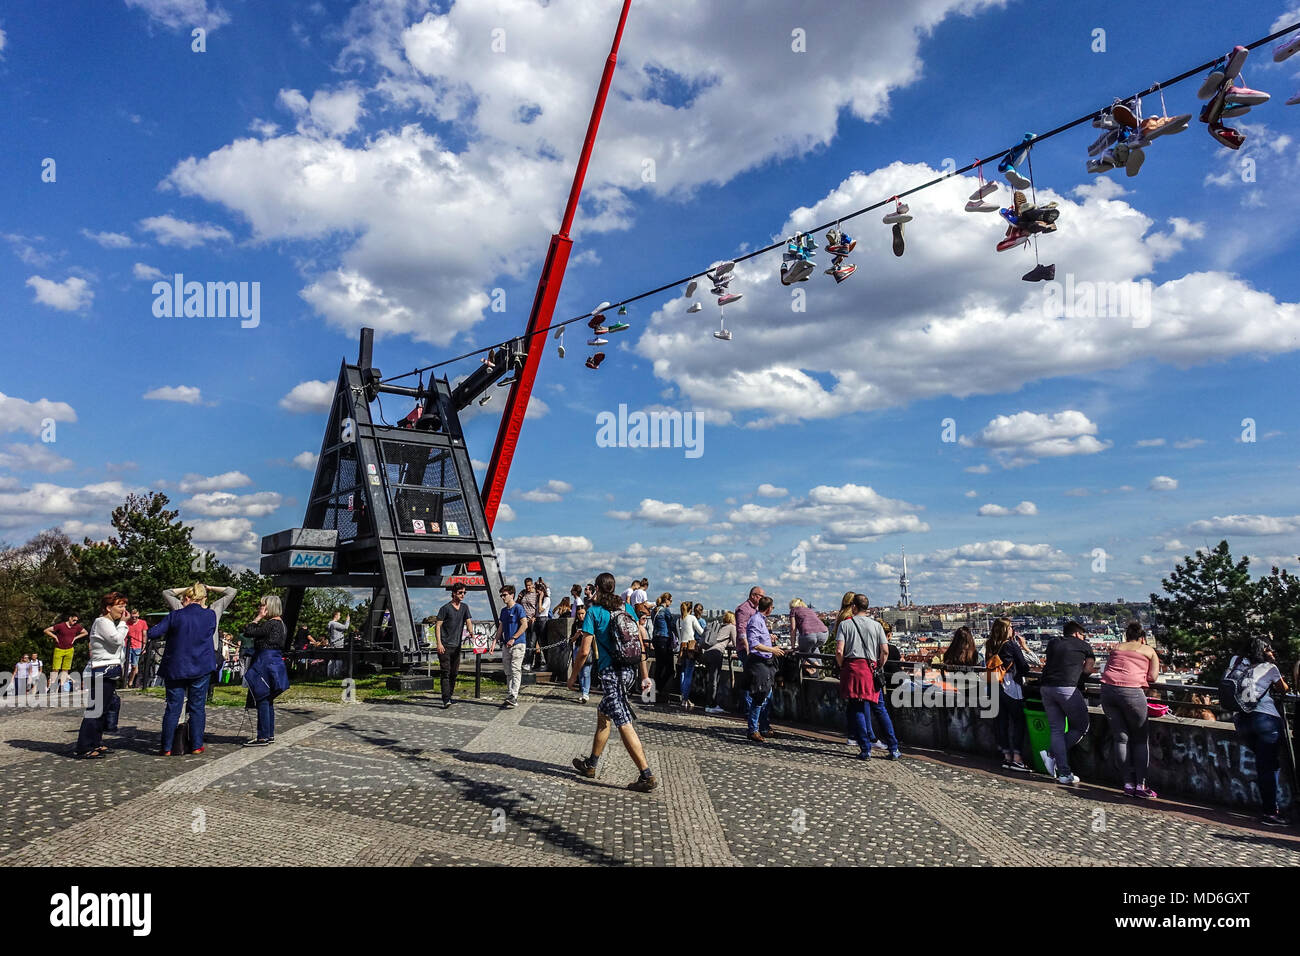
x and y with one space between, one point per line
449 661
1009 724
665 667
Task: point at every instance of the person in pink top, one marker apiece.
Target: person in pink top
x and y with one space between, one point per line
1131 666
743 614
135 638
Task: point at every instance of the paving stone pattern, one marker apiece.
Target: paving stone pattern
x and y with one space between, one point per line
406 783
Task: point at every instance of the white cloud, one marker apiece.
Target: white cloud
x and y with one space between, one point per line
182 14
505 512
333 114
552 491
998 511
20 415
170 231
185 394
2 41
1246 525
766 490
548 544
43 498
1189 443
1163 483
1174 545
306 460
1076 493
71 295
79 530
978 469
1026 436
37 457
192 483
972 493
222 504
144 272
222 530
1150 442
1000 555
665 513
109 240
311 396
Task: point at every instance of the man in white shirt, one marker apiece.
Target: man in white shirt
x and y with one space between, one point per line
641 595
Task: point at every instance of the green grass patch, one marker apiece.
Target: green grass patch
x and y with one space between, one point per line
328 691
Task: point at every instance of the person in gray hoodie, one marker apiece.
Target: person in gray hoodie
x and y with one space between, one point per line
107 644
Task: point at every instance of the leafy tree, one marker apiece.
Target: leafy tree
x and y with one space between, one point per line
1277 603
33 578
1210 611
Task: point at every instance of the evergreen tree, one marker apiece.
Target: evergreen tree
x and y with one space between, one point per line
1207 613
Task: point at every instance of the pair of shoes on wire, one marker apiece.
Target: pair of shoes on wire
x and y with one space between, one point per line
797 261
1016 156
840 244
895 220
1227 97
978 201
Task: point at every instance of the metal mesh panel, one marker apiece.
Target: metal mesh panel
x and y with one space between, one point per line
424 489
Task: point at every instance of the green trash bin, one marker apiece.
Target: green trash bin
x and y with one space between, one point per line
1038 733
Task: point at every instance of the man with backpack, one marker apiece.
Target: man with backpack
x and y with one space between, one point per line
1245 690
610 627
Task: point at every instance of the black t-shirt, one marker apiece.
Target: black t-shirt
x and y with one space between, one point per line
453 623
1065 662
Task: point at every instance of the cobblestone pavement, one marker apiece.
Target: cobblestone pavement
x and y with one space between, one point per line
403 782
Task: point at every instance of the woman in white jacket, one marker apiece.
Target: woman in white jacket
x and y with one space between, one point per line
107 642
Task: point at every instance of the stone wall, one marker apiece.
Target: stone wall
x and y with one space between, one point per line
1198 759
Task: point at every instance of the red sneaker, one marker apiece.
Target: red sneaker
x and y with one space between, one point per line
197 750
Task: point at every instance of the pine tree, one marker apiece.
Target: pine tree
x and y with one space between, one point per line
1208 608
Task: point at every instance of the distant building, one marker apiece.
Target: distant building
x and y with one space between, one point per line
904 585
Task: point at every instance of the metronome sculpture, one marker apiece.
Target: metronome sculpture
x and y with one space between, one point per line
392 507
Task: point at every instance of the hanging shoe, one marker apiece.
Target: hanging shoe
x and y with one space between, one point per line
1016 155
1227 136
1015 179
1102 165
1015 237
1136 157
833 237
718 290
840 273
595 360
1234 61
1040 273
1104 142
690 288
1233 109
898 238
1212 83
560 350
596 323
1286 48
721 269
977 205
796 272
597 341
1294 101
984 191
898 215
696 307
843 246
730 297
1104 120
1245 96
619 327
1154 126
1125 115
722 335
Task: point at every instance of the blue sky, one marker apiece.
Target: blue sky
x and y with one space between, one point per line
392 163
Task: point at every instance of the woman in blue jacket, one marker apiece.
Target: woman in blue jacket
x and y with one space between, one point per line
267 678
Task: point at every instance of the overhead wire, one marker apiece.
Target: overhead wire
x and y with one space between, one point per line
1056 131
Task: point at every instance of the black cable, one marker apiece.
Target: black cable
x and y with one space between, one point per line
1194 71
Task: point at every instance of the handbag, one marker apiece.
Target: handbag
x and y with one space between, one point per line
1157 709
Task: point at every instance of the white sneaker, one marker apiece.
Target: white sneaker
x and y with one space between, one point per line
1136 157
976 205
696 307
1067 779
597 341
1048 761
880 745
1016 180
1294 101
1286 48
714 710
583 698
984 191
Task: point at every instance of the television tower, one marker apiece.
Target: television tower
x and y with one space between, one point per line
904 585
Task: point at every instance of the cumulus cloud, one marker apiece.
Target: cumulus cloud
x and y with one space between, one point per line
222 530
43 498
1246 525
1150 442
185 394
312 396
1027 436
222 504
998 511
505 512
71 295
170 231
20 415
329 113
548 544
109 240
192 483
182 14
766 490
666 513
306 460
1163 483
1000 555
144 272
40 458
552 491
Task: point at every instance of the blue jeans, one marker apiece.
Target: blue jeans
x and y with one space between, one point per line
687 677
882 717
103 701
760 721
194 692
1261 733
584 678
265 718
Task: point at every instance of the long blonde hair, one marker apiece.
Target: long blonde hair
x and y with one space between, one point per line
999 634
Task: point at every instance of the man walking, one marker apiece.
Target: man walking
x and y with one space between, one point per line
616 677
64 634
512 635
1069 660
136 631
453 618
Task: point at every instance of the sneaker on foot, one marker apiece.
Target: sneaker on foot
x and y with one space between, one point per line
879 745
1048 761
1129 788
1020 767
714 710
584 769
1067 779
643 784
583 699
1144 793
1274 820
198 750
895 755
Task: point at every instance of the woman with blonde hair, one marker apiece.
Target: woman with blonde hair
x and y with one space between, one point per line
267 678
691 631
808 633
722 640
